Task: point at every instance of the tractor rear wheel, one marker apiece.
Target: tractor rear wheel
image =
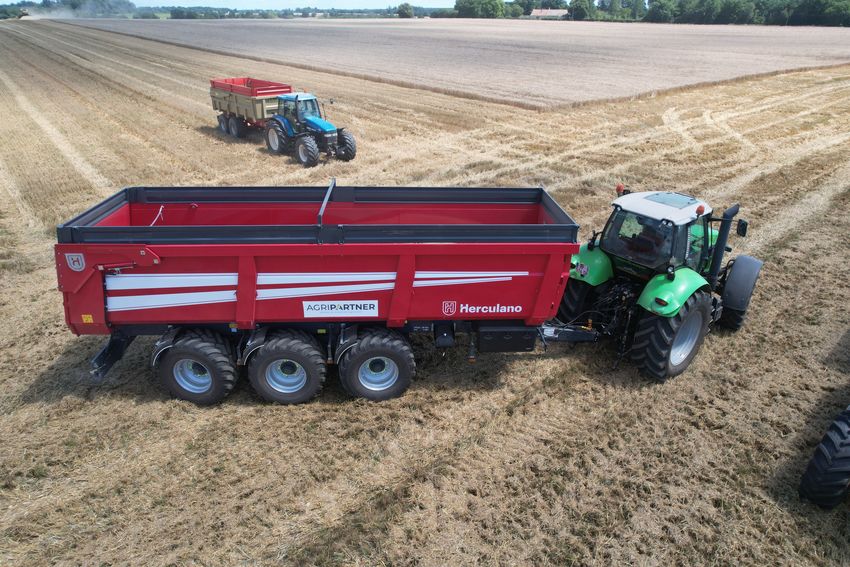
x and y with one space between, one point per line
347 147
574 301
378 367
236 127
307 151
664 347
288 369
199 367
827 477
275 138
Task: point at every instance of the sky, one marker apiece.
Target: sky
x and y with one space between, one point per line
282 4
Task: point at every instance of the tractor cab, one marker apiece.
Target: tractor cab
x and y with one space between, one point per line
299 126
653 232
304 113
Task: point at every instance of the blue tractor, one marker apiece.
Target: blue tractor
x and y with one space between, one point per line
298 127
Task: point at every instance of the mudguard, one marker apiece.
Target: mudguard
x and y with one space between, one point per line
673 292
591 266
741 282
287 127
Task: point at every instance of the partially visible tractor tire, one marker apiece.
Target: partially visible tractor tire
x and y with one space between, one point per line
307 151
346 146
664 347
222 124
275 138
236 127
200 367
738 286
574 302
288 369
827 477
378 367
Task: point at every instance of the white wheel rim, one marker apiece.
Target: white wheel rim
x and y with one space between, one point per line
274 142
192 376
286 376
378 373
302 152
685 339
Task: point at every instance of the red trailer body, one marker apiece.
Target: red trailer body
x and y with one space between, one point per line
148 258
250 86
285 280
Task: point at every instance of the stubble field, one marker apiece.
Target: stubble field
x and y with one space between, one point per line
545 457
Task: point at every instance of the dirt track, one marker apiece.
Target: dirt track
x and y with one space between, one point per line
520 458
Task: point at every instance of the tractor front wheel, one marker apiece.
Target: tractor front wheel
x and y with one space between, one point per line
307 151
347 147
664 347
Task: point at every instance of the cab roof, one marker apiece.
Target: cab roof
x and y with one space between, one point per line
662 205
299 96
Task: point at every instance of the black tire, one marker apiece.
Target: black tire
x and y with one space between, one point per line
346 146
827 477
198 355
236 127
574 302
379 352
732 319
222 124
274 133
306 151
653 346
288 369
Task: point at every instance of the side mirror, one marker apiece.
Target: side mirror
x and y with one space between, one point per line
742 227
591 244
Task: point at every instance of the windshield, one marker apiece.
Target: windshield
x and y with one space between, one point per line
638 239
309 108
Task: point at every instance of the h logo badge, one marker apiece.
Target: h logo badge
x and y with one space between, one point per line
77 262
449 308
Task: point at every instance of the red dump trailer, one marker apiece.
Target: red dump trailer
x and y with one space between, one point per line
285 280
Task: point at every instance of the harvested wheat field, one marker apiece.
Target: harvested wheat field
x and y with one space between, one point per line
536 64
520 459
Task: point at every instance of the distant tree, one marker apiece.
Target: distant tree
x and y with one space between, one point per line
735 12
480 8
527 5
405 10
638 9
661 11
553 4
581 9
444 14
513 10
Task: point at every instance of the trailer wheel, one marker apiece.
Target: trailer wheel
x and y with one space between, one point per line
199 368
288 369
664 347
378 367
236 127
574 301
347 147
222 123
275 138
827 477
306 151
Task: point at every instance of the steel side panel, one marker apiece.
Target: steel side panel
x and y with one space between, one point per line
186 284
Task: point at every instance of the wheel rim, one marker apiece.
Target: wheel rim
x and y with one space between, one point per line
286 376
192 376
302 153
378 373
685 339
274 142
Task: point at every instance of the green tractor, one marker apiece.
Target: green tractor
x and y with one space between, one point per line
655 278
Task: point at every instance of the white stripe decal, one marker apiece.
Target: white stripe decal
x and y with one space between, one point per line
131 302
159 281
323 277
435 275
282 293
461 281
